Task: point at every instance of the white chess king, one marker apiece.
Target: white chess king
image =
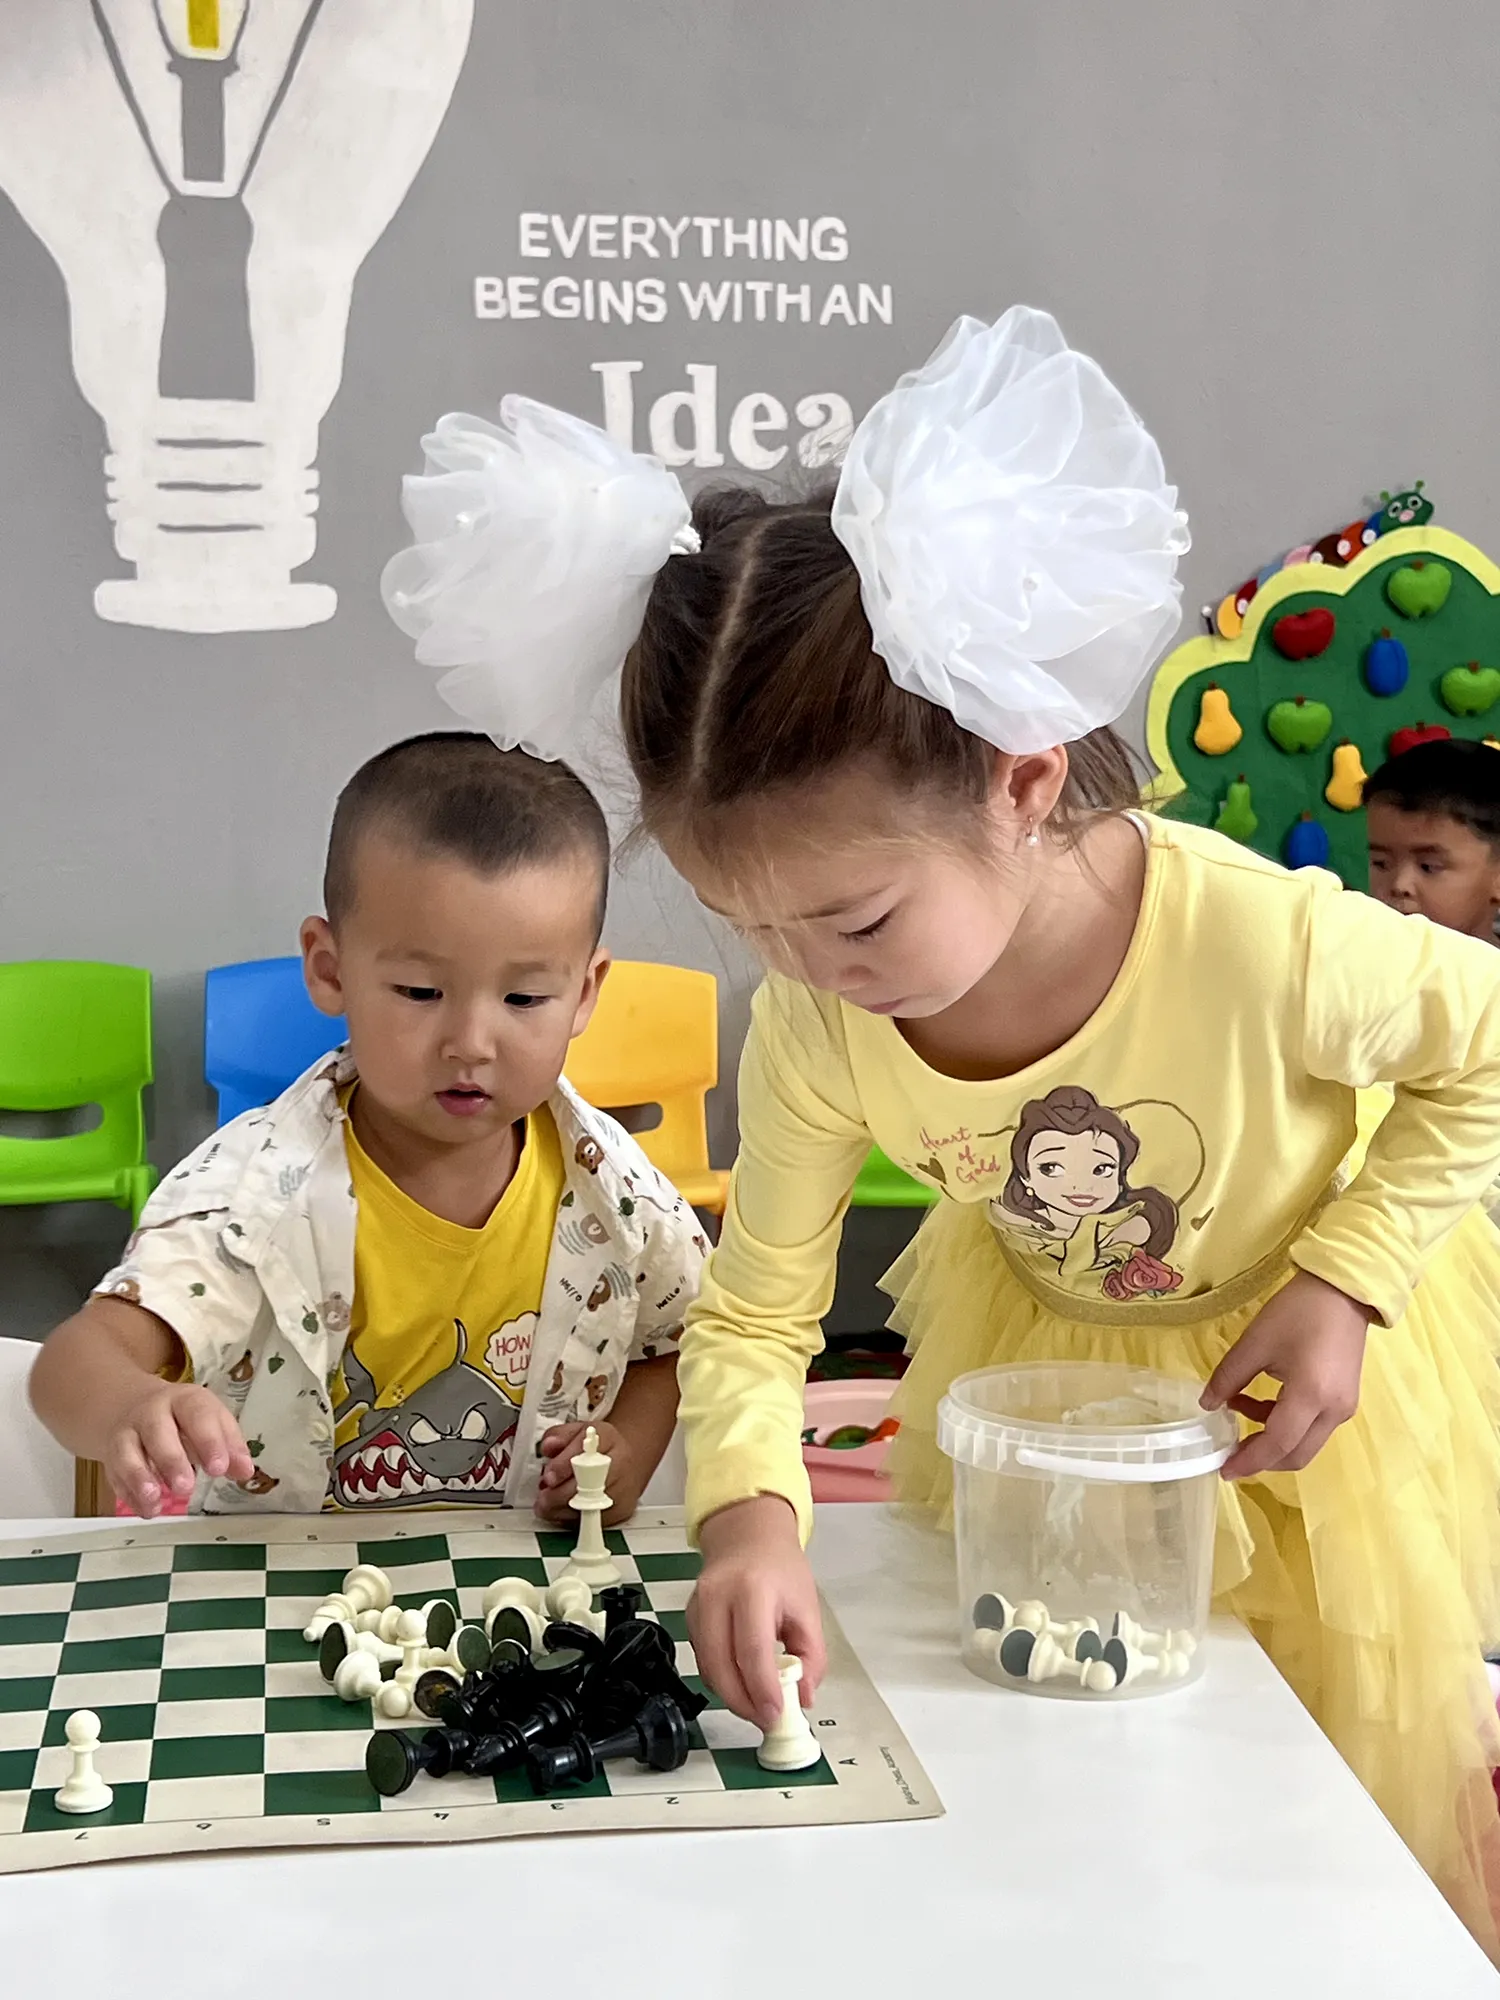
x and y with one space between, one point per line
591 1559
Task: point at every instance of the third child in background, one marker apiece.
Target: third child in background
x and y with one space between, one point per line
1432 817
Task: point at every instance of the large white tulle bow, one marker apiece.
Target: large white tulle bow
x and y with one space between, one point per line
1014 534
536 543
1006 510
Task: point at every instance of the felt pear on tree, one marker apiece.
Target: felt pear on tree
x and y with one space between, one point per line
1217 731
1237 814
1345 790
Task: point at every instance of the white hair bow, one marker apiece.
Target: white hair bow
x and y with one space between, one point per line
1006 510
536 543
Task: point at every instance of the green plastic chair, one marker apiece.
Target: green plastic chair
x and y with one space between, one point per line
75 1034
882 1184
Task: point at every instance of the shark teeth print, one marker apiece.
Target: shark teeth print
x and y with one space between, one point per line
383 1474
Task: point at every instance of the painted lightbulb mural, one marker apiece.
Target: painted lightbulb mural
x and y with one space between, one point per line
209 175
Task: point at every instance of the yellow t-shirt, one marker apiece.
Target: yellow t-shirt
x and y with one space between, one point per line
1187 1132
426 1398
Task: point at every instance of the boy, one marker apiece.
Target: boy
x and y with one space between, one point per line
1433 824
418 1275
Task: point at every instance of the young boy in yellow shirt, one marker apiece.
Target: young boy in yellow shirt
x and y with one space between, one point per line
416 1277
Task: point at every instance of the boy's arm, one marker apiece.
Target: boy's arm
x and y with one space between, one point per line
108 1385
634 1435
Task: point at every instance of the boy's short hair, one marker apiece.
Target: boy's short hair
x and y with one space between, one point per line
456 793
1454 777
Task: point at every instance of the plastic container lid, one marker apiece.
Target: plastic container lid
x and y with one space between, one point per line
1083 1420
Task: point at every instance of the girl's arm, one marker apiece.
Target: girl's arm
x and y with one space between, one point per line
748 1340
1393 999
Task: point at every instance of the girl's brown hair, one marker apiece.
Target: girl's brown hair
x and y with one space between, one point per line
755 672
1072 1109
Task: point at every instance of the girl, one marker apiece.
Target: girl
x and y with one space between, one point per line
872 733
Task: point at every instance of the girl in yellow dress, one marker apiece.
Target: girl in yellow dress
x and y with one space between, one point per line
872 733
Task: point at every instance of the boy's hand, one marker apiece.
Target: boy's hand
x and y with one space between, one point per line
756 1596
560 1446
173 1429
1311 1338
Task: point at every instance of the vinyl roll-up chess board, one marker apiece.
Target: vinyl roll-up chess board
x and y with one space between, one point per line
185 1637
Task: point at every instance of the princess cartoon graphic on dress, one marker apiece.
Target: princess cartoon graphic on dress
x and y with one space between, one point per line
1069 1197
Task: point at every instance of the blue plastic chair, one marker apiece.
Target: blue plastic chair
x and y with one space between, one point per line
261 1031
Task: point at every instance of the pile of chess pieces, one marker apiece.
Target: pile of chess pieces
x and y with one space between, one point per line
1029 1645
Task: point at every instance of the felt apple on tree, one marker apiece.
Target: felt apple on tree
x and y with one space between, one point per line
1406 739
1302 635
1470 690
1420 589
1299 724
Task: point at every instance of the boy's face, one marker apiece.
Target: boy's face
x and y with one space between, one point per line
462 991
1431 865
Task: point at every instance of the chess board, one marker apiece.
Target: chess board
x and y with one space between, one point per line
186 1639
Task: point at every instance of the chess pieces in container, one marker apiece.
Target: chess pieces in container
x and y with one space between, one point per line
591 1559
1028 1644
791 1744
83 1790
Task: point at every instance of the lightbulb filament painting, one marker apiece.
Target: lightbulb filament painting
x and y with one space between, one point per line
209 175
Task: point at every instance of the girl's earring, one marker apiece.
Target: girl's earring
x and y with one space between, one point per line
1033 838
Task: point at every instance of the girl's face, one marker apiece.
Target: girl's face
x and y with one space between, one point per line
1077 1173
831 892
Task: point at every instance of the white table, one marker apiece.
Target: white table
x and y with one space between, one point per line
1208 1844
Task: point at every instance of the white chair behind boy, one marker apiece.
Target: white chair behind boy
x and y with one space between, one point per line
36 1474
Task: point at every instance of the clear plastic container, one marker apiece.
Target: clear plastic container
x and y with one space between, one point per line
1085 1498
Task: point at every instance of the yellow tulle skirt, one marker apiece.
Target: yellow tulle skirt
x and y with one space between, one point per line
1372 1579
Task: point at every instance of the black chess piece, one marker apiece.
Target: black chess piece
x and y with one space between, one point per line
393 1758
642 1655
432 1690
498 1694
620 1603
509 1743
563 1636
656 1737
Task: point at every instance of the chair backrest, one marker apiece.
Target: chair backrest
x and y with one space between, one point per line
73 1033
261 1031
654 1039
36 1474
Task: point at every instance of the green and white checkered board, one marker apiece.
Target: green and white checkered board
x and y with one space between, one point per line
186 1638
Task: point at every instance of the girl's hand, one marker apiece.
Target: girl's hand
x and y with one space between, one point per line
756 1597
174 1428
560 1446
1311 1338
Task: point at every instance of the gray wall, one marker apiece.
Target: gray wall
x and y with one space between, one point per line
1275 225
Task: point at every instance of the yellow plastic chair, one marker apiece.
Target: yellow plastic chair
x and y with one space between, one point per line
654 1040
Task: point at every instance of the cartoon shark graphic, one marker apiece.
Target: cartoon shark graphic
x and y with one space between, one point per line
450 1440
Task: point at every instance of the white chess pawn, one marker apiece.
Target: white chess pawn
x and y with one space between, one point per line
393 1701
536 1624
510 1590
366 1642
357 1677
334 1610
411 1630
83 1790
570 1599
591 1559
367 1588
791 1744
1031 1616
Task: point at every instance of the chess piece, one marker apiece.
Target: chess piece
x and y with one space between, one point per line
569 1599
411 1632
518 1622
656 1737
437 1686
393 1759
393 1699
620 1603
591 1559
790 1744
83 1790
511 1590
641 1655
357 1677
367 1588
992 1613
335 1609
440 1622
